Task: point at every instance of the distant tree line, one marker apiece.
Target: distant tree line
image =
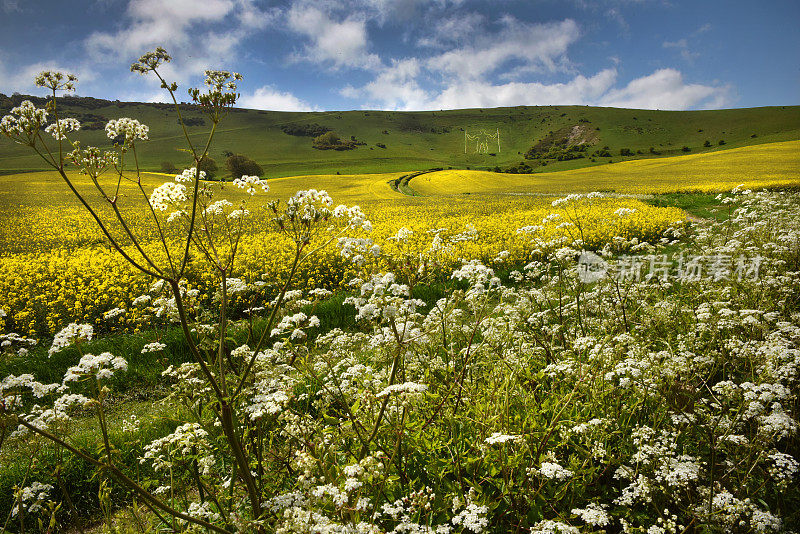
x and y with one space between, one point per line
332 141
305 130
237 165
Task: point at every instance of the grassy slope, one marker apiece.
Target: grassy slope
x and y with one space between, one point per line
411 145
767 164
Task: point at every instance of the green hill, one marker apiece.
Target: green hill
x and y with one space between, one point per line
424 140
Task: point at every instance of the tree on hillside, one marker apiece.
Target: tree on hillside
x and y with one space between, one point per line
168 167
327 139
239 165
208 165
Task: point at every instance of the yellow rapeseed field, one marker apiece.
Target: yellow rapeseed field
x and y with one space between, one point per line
56 269
767 165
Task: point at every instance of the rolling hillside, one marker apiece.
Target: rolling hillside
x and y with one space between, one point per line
766 165
424 140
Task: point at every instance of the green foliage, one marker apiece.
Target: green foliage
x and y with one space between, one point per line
168 167
260 136
332 141
239 165
304 130
209 165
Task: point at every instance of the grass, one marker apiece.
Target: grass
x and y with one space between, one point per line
423 140
701 205
773 164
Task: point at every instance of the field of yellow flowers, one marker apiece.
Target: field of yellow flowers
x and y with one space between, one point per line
760 166
56 269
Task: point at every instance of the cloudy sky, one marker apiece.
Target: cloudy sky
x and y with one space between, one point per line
420 54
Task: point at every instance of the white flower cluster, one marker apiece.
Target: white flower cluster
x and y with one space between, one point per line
574 197
250 183
188 441
498 437
72 333
554 471
131 129
57 81
783 467
382 299
155 346
357 248
91 160
406 389
31 498
295 323
13 342
131 425
114 312
217 207
11 386
403 234
59 130
548 526
354 216
622 212
188 175
23 122
594 514
101 367
167 195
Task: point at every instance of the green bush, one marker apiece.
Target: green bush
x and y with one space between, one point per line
168 167
239 165
208 165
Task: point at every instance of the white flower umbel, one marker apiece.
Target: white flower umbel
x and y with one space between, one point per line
155 346
72 333
59 130
31 498
409 388
188 175
497 437
167 195
554 471
250 183
594 514
131 129
101 366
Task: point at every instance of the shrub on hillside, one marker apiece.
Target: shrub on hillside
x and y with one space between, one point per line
209 166
332 141
239 165
305 130
168 167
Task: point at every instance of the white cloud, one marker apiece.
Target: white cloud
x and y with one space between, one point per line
682 45
332 43
189 30
538 46
665 89
457 29
269 98
21 78
395 87
398 88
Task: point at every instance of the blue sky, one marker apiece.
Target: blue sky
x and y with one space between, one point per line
420 54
